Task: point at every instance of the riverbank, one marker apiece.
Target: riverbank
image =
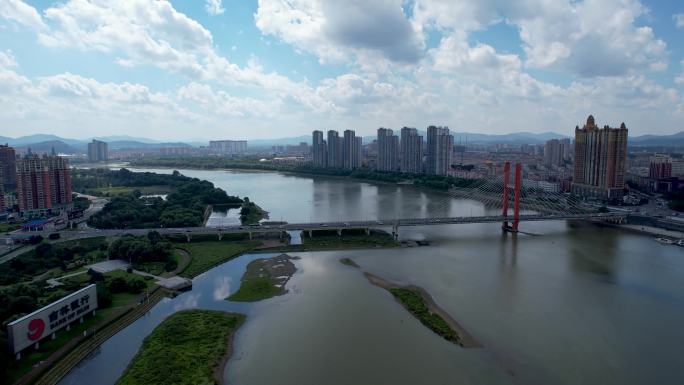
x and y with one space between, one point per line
265 278
421 305
189 347
656 231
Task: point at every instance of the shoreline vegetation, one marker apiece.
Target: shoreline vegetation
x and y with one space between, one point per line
436 182
184 204
189 347
422 306
265 278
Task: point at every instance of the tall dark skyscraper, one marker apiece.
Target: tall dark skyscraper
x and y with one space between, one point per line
334 149
351 151
8 163
411 151
600 160
318 150
553 152
98 151
388 150
439 147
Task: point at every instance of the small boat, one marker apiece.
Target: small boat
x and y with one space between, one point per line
666 241
680 242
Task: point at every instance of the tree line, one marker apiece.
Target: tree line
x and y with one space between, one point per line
184 207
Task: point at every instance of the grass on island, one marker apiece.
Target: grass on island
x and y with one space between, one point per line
206 254
349 262
415 304
184 349
256 289
349 238
263 279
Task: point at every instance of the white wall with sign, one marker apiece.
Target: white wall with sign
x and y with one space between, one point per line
29 329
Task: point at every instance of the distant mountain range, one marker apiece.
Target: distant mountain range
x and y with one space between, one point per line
45 142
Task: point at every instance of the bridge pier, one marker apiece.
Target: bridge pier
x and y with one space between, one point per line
187 237
395 231
220 236
310 233
339 232
367 231
516 202
507 175
250 235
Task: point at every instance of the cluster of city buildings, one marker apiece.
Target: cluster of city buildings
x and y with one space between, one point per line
407 153
37 185
593 165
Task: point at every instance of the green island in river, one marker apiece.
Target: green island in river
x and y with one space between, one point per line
265 278
189 347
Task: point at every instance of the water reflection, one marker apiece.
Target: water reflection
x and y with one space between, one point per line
222 288
601 260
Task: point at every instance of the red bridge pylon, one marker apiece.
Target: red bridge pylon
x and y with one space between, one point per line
516 197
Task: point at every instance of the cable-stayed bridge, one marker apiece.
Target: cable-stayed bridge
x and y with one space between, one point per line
519 201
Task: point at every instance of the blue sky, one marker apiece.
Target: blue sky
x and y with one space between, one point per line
273 68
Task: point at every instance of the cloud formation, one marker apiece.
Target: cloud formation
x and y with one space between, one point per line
214 7
395 63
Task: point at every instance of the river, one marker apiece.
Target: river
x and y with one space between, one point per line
564 303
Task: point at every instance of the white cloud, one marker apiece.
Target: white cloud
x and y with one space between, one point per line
214 7
586 38
21 13
679 20
680 79
336 30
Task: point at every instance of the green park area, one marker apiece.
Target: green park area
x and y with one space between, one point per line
124 190
205 254
185 204
189 347
7 227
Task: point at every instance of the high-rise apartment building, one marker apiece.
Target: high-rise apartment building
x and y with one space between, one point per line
439 149
388 150
228 147
350 152
358 152
43 183
553 153
660 167
411 151
319 153
2 192
60 180
334 149
566 143
98 151
600 160
8 159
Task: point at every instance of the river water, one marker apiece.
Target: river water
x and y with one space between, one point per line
564 303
